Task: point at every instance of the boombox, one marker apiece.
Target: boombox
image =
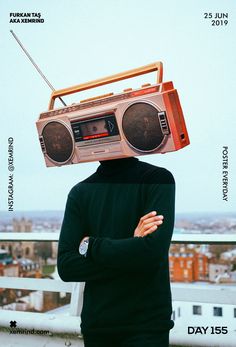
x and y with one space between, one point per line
135 122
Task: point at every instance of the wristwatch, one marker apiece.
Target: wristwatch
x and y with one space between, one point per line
83 248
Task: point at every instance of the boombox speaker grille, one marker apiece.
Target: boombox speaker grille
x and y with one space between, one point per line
141 126
58 142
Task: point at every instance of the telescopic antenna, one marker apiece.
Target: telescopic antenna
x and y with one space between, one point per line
35 65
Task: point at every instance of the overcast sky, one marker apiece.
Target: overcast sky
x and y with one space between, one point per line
83 40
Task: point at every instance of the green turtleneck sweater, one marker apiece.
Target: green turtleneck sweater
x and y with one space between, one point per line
127 278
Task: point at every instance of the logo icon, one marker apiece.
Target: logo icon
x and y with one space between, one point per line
13 324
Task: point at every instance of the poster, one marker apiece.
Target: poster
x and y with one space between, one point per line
78 41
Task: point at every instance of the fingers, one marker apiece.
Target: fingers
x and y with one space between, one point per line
148 224
151 227
151 230
152 220
144 224
149 217
150 214
148 228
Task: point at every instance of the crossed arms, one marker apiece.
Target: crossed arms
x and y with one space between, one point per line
108 258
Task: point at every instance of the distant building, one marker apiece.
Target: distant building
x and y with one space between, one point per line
20 249
219 273
229 255
22 225
29 268
10 270
8 267
188 266
233 276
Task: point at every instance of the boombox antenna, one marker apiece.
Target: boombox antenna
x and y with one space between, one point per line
35 65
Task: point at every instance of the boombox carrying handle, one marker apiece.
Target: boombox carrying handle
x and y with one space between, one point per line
157 66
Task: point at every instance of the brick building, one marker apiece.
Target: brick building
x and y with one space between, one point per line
188 266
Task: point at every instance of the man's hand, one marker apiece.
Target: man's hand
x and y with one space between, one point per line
148 224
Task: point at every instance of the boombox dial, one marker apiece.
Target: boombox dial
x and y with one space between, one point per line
58 142
141 127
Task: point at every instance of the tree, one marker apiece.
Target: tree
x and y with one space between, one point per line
43 250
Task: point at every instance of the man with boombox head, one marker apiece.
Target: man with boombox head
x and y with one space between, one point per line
115 237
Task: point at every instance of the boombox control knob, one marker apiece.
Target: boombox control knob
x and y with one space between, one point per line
141 127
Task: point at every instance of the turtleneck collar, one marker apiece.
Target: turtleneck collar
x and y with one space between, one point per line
108 167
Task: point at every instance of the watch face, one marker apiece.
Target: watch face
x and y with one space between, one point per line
83 247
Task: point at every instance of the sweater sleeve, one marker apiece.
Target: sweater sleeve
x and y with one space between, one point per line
141 253
73 267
